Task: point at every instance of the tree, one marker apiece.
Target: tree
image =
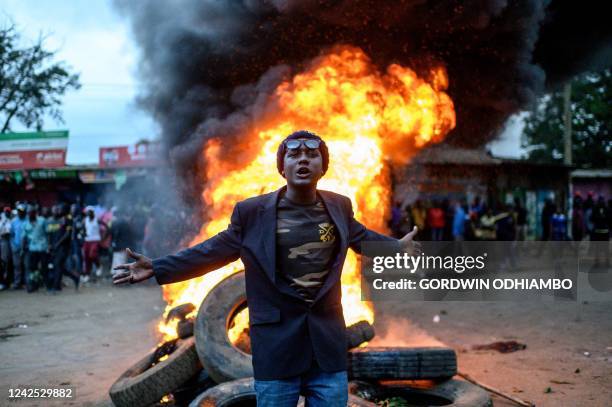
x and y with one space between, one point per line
31 84
591 107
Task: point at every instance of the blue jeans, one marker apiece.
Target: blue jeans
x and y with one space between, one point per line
321 389
76 256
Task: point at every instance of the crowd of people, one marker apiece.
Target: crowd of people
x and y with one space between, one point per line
40 245
447 220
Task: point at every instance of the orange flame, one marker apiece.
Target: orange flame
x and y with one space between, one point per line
367 119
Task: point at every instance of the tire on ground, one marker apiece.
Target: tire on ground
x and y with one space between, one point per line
184 329
145 383
399 363
227 394
359 333
180 311
242 392
192 388
221 359
450 393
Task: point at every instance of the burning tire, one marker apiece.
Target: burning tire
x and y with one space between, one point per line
221 359
242 392
184 329
450 393
402 363
148 380
359 333
180 312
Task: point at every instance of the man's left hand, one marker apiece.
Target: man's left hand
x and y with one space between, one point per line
409 245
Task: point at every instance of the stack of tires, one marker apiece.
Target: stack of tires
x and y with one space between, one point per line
208 370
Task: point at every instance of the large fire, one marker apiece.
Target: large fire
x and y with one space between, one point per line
367 118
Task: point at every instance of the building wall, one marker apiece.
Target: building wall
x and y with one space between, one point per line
597 186
438 182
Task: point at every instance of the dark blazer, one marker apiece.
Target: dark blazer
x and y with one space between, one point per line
286 332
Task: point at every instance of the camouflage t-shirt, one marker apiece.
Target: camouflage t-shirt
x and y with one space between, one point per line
305 245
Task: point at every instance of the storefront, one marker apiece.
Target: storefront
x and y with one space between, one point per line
33 169
445 173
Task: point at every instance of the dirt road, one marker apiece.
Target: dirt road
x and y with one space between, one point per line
567 362
85 339
89 338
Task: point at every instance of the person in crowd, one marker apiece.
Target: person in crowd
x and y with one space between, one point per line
35 250
459 222
148 243
76 239
505 230
599 219
17 225
45 212
419 216
521 220
59 230
589 203
152 243
610 215
601 231
505 224
486 229
122 238
475 211
406 223
577 218
105 251
91 245
436 221
396 219
138 220
477 208
5 247
547 212
558 225
449 214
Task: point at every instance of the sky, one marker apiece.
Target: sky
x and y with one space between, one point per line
95 41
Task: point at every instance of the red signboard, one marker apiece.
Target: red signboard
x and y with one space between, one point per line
36 150
139 155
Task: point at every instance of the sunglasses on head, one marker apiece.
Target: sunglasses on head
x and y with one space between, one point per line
311 144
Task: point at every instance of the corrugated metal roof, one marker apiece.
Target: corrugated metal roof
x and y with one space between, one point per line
444 154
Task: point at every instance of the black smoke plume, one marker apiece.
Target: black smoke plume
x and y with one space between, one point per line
207 63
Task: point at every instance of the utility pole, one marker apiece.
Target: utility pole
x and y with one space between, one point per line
567 137
567 116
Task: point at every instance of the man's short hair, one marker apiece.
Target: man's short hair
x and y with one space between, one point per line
301 134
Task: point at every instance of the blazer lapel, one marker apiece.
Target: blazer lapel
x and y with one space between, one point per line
337 216
267 214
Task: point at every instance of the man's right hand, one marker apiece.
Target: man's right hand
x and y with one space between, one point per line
140 270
